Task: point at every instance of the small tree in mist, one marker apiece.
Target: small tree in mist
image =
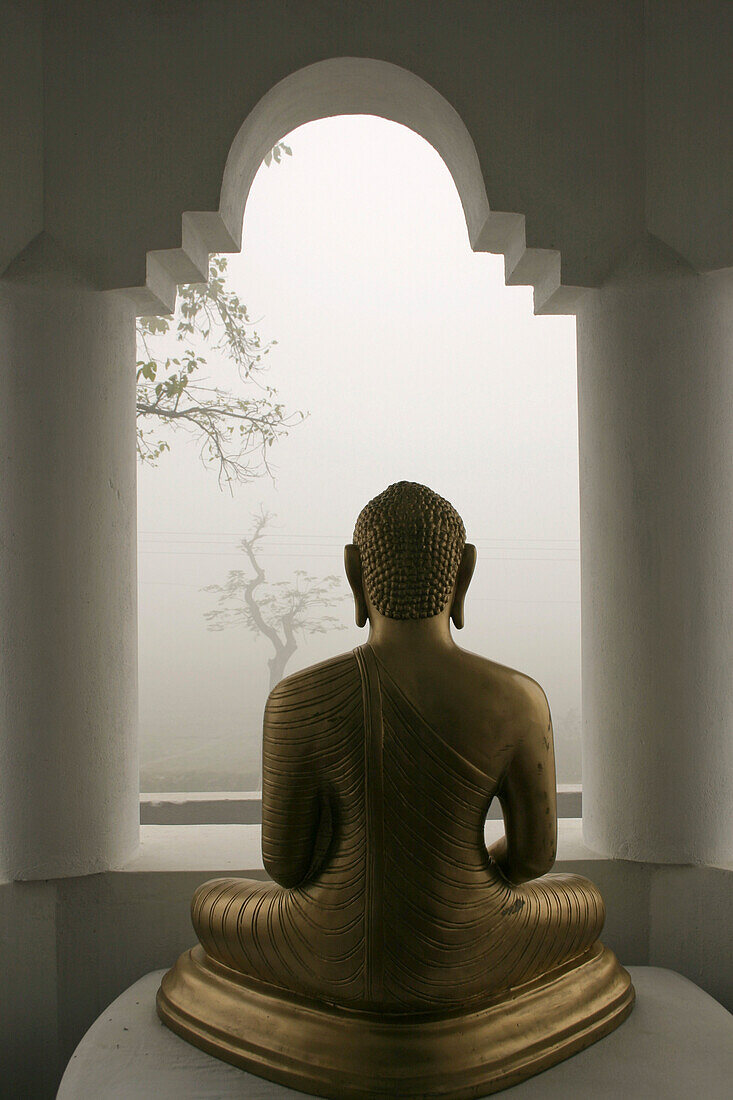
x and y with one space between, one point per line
235 430
281 611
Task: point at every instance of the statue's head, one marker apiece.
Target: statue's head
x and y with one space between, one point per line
410 555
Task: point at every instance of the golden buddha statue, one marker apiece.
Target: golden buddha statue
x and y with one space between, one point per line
393 954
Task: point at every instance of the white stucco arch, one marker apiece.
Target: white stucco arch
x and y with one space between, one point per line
630 731
654 345
350 86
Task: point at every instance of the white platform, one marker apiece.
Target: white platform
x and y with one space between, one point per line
676 1045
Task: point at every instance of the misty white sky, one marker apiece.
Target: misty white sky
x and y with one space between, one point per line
413 360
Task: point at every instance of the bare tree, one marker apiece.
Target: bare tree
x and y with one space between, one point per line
281 611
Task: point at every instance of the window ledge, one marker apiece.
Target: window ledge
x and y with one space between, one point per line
236 849
245 807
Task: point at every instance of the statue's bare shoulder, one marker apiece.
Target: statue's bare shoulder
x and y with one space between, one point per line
510 707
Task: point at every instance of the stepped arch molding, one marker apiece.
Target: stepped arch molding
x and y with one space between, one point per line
349 86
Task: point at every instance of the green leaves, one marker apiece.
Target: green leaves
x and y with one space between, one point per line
147 370
276 153
235 430
153 326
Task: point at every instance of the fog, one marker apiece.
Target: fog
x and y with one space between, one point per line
413 361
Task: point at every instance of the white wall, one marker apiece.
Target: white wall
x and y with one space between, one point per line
655 347
141 110
68 643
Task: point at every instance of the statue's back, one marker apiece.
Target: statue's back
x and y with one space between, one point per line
383 817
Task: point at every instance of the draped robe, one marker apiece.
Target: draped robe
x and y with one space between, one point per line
387 898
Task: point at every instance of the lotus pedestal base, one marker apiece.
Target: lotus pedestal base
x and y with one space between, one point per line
336 1052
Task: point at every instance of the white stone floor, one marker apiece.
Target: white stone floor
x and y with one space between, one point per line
676 1045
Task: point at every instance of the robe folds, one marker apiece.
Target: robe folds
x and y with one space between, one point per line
375 823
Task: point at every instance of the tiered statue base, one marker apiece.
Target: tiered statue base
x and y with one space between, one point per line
338 1052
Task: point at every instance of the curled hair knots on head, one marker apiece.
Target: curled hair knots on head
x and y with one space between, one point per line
410 542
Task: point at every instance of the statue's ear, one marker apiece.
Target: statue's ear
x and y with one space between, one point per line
352 564
463 579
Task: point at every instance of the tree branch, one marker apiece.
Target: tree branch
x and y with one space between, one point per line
233 427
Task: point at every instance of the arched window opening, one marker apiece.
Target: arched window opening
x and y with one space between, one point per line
412 360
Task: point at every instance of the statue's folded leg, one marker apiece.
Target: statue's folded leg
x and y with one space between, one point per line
561 916
549 928
224 912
